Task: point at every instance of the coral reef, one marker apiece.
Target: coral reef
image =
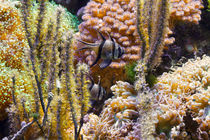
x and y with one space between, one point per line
116 18
51 107
12 47
12 38
118 117
45 92
184 93
119 19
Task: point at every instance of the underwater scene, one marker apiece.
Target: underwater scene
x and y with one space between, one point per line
105 69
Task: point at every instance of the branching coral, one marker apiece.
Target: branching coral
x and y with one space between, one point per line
52 108
185 93
117 118
152 32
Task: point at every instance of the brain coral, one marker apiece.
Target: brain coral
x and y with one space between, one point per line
12 39
186 89
117 118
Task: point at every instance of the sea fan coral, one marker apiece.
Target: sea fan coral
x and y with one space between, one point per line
117 118
184 93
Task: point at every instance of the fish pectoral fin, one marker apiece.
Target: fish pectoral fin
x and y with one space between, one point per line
94 48
105 63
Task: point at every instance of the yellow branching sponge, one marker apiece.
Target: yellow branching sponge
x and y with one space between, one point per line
186 89
12 38
117 118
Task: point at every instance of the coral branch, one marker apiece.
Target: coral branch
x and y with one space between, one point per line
21 131
69 79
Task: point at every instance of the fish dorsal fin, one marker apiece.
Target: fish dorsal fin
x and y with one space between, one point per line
105 63
110 38
99 85
102 37
99 80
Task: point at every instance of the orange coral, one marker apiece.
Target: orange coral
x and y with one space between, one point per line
186 10
116 18
12 36
12 45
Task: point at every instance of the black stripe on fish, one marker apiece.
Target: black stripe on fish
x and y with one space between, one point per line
113 50
99 92
92 82
99 53
100 88
119 52
103 38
